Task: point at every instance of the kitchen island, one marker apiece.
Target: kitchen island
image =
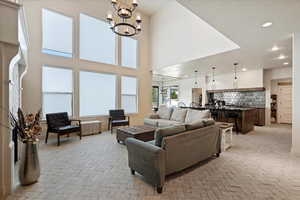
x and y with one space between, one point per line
247 117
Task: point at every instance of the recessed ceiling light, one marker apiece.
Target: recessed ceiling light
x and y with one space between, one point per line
244 69
266 24
275 48
281 57
286 63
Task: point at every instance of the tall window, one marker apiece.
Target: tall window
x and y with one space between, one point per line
97 41
57 90
129 52
97 93
129 94
57 34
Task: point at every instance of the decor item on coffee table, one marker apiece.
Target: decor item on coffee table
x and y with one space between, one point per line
90 127
226 131
117 118
60 124
143 133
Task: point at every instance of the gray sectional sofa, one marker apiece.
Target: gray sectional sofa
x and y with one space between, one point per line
175 116
180 142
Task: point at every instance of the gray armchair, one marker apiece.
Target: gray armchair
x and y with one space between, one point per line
148 160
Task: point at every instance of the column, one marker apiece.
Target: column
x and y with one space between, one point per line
296 94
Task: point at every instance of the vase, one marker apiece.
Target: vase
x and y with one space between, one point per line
29 171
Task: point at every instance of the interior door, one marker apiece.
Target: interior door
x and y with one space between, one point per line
285 103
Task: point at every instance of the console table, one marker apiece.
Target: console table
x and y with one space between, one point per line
90 127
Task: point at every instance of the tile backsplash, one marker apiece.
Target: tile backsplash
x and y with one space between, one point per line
255 99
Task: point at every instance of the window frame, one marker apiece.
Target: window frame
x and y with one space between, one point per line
136 95
117 46
137 54
116 92
156 87
67 93
73 54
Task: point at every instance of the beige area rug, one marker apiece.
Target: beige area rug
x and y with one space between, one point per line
258 167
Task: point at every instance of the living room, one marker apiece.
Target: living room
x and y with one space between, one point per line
183 105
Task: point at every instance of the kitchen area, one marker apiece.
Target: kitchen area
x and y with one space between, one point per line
243 107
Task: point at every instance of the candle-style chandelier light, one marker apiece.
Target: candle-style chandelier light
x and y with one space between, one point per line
124 22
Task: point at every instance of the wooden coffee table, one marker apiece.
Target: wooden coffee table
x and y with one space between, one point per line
144 133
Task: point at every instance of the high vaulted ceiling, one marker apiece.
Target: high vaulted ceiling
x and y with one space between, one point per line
241 22
149 7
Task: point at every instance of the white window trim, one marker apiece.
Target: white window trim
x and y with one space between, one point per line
73 90
116 44
136 95
73 55
137 55
116 94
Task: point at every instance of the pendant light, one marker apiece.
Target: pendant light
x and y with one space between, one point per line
213 85
235 80
196 79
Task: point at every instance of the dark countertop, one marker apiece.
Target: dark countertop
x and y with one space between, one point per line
231 108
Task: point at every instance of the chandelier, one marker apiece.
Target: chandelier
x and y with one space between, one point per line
123 22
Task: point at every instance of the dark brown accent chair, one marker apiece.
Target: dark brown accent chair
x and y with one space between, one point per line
117 118
60 124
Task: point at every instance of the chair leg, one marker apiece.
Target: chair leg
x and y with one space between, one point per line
80 134
111 129
236 126
58 139
46 140
132 171
159 190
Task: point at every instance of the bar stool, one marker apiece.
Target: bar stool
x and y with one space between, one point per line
214 114
234 116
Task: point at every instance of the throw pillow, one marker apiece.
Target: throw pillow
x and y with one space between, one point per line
178 115
167 131
164 112
208 121
195 125
196 115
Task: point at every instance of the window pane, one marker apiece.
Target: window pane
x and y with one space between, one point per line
129 103
129 52
129 85
53 103
57 80
97 41
97 93
57 34
129 94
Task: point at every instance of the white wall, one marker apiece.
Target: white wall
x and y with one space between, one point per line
296 94
248 79
178 36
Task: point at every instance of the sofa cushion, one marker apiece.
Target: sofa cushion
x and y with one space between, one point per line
196 115
151 122
160 133
178 115
195 125
208 121
153 116
166 123
164 112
